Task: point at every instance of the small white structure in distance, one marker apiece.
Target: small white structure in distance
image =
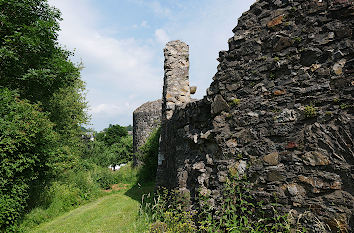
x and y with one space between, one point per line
117 167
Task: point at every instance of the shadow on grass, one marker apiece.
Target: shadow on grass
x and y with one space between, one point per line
137 191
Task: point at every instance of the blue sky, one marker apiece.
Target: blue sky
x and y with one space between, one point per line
120 43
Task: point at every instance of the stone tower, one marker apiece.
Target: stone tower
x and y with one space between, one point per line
146 118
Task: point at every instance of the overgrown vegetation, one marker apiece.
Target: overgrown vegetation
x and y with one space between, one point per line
112 134
149 156
84 181
46 168
240 212
112 146
42 106
27 143
117 209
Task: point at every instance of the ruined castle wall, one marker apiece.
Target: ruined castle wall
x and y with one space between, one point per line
280 110
176 90
146 118
176 93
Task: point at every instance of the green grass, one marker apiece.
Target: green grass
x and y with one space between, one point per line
116 212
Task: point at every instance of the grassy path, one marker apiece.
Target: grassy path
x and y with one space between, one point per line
116 212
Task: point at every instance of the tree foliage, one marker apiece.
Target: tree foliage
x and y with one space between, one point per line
33 63
27 143
67 111
112 134
118 153
42 104
129 128
122 151
31 60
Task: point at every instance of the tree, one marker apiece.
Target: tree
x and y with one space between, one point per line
33 63
30 58
122 151
129 128
42 94
67 111
112 134
101 154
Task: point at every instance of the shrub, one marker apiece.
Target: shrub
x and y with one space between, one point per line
238 211
73 188
95 152
104 177
102 155
127 174
169 212
27 143
121 151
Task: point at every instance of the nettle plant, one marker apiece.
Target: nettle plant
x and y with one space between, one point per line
240 211
170 211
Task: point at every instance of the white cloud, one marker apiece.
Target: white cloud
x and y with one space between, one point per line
124 62
111 109
155 6
144 24
159 9
207 31
161 36
106 109
123 73
123 66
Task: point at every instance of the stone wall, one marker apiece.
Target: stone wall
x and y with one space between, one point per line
146 118
280 110
176 92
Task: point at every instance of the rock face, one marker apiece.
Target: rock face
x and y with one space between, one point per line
280 110
146 118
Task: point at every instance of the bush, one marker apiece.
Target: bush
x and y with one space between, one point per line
57 199
102 155
127 174
96 152
73 188
122 151
104 177
40 136
240 211
169 211
27 143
